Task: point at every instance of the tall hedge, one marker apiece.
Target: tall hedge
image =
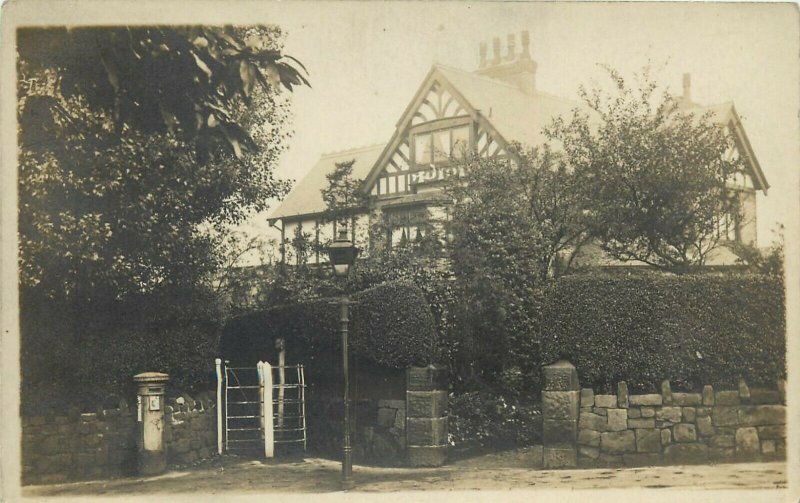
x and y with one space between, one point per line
390 325
692 329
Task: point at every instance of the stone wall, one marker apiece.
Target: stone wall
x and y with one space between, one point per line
672 428
191 429
102 444
380 432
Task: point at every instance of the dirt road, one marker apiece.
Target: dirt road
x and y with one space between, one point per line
490 472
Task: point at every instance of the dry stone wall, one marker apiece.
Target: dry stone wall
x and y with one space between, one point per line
102 444
672 427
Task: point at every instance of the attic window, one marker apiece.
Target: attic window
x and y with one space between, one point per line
437 146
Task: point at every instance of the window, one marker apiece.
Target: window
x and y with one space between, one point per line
438 146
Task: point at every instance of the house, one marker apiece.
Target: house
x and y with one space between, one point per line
482 110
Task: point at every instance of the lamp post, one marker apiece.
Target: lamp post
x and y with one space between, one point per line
342 255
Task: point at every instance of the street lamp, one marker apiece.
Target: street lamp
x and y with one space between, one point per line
342 255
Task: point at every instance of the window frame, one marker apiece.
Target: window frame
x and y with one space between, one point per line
432 127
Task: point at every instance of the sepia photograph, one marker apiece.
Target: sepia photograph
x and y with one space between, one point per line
412 250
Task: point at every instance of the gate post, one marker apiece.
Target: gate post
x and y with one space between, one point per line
560 408
150 442
426 415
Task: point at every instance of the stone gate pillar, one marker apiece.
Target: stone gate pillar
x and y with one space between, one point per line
426 415
560 408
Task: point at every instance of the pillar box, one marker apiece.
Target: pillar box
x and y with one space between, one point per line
152 458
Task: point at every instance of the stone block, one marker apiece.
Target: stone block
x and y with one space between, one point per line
182 446
687 399
589 437
648 412
726 398
611 460
722 441
708 395
704 411
587 397
768 447
392 404
686 453
747 443
772 432
642 459
585 409
562 433
744 390
671 414
560 376
617 442
689 414
560 458
762 415
642 423
622 395
650 400
725 415
634 413
560 405
589 452
666 393
424 404
666 436
704 426
648 440
428 378
426 432
592 421
605 401
426 455
386 417
600 411
684 433
721 453
762 396
617 419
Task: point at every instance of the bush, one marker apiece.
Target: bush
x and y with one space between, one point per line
693 329
86 356
391 325
480 419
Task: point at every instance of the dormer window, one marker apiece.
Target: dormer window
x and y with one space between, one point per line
437 146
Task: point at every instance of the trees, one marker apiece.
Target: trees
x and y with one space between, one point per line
138 148
138 145
653 176
511 220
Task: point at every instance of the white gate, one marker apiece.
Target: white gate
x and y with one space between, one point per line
259 407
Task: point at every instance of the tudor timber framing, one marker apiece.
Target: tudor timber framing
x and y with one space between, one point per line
403 126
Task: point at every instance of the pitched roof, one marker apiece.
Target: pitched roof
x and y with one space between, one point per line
306 196
516 115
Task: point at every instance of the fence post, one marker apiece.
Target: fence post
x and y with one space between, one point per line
560 408
267 426
220 405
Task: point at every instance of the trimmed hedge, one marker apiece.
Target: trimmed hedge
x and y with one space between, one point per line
390 325
693 330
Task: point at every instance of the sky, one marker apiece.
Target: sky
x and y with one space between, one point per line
366 61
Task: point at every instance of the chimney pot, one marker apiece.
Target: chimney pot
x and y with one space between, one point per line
526 43
687 87
496 50
512 52
483 54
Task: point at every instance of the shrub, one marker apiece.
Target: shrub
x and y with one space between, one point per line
691 329
391 325
481 419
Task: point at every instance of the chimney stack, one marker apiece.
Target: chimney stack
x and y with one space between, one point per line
526 44
496 48
483 55
687 87
512 50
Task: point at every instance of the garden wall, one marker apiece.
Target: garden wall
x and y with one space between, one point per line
667 427
73 446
